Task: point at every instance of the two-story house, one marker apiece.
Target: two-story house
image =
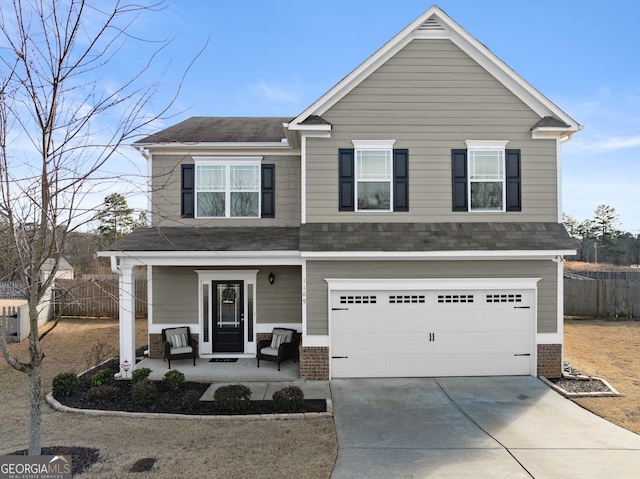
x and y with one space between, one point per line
407 223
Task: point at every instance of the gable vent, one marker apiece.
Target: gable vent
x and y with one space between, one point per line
431 25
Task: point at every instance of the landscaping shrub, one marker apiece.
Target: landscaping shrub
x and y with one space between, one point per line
191 400
173 380
140 374
232 399
106 391
64 384
143 392
104 376
289 399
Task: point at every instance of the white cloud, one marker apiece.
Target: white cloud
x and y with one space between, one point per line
279 93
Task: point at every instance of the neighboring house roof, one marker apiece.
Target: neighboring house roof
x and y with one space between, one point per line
353 237
189 238
211 129
436 24
431 237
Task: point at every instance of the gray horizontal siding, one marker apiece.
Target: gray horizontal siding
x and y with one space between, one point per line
280 302
317 271
166 194
430 98
175 294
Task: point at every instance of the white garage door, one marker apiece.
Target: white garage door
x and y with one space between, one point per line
417 333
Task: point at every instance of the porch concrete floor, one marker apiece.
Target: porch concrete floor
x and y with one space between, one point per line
263 381
244 369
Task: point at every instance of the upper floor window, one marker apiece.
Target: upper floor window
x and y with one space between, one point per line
228 190
486 177
373 174
373 177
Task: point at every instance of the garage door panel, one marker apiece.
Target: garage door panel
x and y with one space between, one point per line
431 333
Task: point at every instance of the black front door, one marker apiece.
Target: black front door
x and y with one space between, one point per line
228 317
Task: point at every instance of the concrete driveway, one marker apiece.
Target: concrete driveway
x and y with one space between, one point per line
488 427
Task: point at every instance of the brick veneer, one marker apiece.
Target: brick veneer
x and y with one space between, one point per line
314 363
550 360
156 348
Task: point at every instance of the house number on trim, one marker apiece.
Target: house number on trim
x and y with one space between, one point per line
432 337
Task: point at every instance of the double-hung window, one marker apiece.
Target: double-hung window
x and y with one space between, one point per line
227 189
373 179
486 177
486 166
373 176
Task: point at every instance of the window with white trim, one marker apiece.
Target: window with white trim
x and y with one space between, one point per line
374 175
486 175
227 188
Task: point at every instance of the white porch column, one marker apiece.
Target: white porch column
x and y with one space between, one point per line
127 315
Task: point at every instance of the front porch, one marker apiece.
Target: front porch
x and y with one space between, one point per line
262 381
243 370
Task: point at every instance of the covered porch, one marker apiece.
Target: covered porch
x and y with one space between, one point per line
190 271
240 370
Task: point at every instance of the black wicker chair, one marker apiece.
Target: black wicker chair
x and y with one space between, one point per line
179 344
284 344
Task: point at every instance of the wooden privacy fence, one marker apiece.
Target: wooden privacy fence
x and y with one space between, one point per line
97 297
604 295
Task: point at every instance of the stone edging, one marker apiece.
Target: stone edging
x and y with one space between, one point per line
208 417
602 394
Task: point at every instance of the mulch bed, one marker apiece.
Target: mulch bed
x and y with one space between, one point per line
166 401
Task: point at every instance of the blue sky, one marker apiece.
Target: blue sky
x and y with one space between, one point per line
276 57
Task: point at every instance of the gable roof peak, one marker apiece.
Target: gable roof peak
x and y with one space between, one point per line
436 24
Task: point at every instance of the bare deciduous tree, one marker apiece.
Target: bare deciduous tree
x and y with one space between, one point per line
62 117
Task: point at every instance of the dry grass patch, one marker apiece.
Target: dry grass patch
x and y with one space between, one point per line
183 448
608 349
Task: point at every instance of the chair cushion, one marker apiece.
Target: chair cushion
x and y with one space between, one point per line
287 333
277 340
178 338
269 351
182 350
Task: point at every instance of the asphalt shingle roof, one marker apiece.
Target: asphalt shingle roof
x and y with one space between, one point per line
213 129
353 237
403 237
551 122
189 238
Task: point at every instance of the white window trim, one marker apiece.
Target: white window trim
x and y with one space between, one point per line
228 161
487 145
377 145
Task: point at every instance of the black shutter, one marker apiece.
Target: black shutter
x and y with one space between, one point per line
514 190
188 191
268 191
459 177
401 180
346 186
